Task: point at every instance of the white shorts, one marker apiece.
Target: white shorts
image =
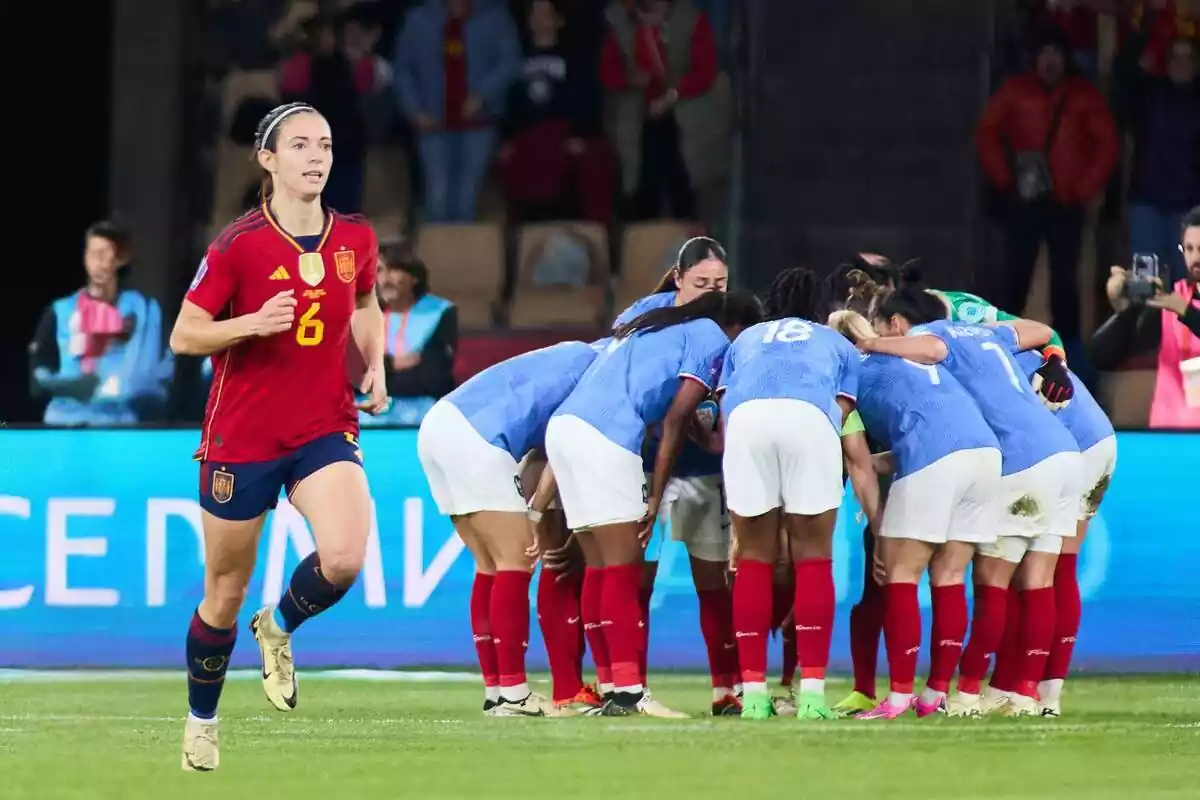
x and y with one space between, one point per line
466 472
954 499
1038 508
696 514
781 453
599 482
1099 463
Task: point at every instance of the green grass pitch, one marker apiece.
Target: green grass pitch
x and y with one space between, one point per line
89 739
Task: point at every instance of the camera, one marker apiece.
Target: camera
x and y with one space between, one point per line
1143 281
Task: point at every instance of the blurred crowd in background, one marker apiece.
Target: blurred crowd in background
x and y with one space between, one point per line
533 166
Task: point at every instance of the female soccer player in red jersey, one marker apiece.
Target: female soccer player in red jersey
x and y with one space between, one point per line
272 303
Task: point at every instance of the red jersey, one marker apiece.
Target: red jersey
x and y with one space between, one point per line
273 394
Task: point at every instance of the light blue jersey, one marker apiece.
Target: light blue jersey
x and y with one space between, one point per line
1083 416
639 307
982 359
692 462
510 403
792 359
921 413
632 383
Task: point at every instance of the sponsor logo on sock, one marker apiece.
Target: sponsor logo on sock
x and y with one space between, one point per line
743 634
482 638
573 621
1037 652
809 628
949 643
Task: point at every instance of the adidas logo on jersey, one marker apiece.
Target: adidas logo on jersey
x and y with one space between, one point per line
280 274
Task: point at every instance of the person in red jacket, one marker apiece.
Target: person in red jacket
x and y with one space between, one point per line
1048 144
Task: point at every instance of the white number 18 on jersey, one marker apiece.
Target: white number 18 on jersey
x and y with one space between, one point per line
788 330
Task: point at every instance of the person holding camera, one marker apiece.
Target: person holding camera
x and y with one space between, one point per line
1149 316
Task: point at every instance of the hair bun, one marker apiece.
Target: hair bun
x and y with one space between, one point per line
910 272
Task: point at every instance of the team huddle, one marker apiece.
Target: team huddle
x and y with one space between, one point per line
738 422
734 422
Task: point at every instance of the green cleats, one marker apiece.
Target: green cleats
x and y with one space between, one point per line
811 705
757 705
856 703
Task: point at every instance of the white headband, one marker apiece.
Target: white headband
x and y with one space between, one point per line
294 110
679 255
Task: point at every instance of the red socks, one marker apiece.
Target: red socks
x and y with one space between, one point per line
481 599
987 629
589 607
949 631
644 594
716 625
866 624
1037 636
783 597
558 617
752 591
814 615
1008 654
509 619
621 618
1068 610
902 632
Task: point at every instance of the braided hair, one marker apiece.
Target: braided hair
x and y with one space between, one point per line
266 136
798 292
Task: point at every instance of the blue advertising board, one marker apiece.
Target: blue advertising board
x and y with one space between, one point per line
101 562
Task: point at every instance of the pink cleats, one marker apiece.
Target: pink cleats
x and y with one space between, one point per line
887 710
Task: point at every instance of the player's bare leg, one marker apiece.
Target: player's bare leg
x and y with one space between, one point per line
336 503
811 538
508 536
230 548
947 577
480 607
992 577
757 544
1035 582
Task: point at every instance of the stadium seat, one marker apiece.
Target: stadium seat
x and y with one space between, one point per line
647 251
536 304
466 266
386 183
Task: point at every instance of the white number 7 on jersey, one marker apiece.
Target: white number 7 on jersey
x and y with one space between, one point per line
930 369
1004 360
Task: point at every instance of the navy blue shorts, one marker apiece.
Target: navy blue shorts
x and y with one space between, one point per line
245 491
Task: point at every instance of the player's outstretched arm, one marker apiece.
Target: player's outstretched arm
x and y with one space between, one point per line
196 333
923 349
1031 335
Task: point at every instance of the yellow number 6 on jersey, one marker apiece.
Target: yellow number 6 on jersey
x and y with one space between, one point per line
310 330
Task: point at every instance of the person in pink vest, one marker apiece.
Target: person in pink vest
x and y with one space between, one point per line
1170 322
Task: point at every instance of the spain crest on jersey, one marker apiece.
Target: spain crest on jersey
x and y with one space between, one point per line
343 262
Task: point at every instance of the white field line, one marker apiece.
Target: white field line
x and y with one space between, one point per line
847 727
